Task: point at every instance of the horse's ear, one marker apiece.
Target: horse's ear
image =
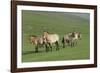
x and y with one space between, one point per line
47 32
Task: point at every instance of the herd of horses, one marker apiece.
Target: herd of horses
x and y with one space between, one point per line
47 39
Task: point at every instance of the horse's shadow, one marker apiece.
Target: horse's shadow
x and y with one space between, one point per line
31 52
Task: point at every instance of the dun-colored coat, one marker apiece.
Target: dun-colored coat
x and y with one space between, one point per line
51 39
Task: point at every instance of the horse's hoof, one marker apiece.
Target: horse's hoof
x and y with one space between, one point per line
57 49
36 51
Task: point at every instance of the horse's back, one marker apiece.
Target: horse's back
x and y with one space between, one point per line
53 37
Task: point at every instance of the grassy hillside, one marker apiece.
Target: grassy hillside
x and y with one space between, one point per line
35 22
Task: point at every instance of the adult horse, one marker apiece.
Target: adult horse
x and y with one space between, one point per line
37 41
71 39
51 39
67 40
77 35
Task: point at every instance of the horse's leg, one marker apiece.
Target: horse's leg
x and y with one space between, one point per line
36 48
68 42
50 45
57 45
63 42
76 42
46 46
71 43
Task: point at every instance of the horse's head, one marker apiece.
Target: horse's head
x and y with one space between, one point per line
77 35
45 34
32 38
73 34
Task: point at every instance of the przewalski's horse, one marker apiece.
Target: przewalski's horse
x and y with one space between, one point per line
51 39
71 39
77 35
37 41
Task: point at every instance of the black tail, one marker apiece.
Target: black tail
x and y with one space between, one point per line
63 42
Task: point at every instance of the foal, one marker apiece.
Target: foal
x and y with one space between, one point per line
37 41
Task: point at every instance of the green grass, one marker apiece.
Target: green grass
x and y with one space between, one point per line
35 22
